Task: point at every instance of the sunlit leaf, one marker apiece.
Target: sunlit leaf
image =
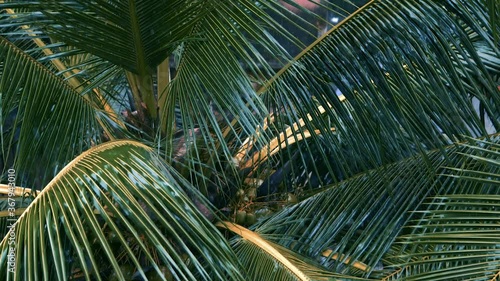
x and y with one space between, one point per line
114 206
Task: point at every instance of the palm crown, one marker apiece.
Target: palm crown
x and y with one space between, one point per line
140 131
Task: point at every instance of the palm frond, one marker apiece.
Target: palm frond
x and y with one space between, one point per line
221 104
494 15
43 120
415 75
83 71
266 260
455 235
135 35
116 205
213 42
454 238
361 219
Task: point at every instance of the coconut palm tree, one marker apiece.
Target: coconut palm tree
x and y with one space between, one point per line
136 133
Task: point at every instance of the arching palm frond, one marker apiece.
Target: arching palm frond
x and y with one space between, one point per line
266 260
221 105
403 219
454 234
43 120
213 44
414 76
133 34
113 207
99 81
373 114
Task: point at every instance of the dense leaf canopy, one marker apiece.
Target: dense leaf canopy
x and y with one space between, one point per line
356 140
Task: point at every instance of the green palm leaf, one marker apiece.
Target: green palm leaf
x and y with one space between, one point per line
133 34
361 219
413 75
455 235
454 238
266 260
212 40
116 205
42 119
221 105
78 68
